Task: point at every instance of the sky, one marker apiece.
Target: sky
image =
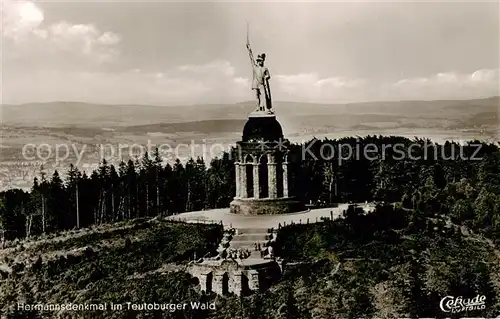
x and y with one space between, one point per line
174 53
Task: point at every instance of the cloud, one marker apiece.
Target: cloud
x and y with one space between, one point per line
449 85
218 82
482 76
309 87
19 18
485 75
28 39
214 82
82 38
62 60
37 55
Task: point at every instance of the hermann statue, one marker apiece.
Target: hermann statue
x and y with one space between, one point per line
260 82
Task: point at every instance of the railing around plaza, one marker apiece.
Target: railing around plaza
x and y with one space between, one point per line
307 220
194 220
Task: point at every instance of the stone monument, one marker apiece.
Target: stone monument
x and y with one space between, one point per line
262 188
262 176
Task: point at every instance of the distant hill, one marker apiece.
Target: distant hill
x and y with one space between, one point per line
96 115
208 126
92 125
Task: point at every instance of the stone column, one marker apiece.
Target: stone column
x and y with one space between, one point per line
217 285
256 183
253 280
285 179
243 181
237 171
271 177
235 283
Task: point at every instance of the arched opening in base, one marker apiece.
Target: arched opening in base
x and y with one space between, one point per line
279 176
208 287
225 284
249 174
245 289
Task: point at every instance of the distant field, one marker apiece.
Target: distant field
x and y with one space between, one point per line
86 127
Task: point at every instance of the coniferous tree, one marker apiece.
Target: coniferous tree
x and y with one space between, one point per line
73 193
124 191
132 182
159 183
113 182
87 200
147 181
168 185
35 208
57 204
178 188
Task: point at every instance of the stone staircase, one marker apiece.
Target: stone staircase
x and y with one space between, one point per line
246 238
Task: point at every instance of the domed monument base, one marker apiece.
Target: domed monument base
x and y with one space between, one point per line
262 175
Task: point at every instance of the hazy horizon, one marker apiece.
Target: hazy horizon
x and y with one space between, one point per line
250 101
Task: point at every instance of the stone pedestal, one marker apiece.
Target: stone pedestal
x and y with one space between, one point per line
217 283
235 283
253 280
241 277
205 279
264 147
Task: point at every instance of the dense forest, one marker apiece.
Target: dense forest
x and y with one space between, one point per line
459 181
391 263
434 233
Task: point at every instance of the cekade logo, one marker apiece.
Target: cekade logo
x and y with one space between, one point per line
459 304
